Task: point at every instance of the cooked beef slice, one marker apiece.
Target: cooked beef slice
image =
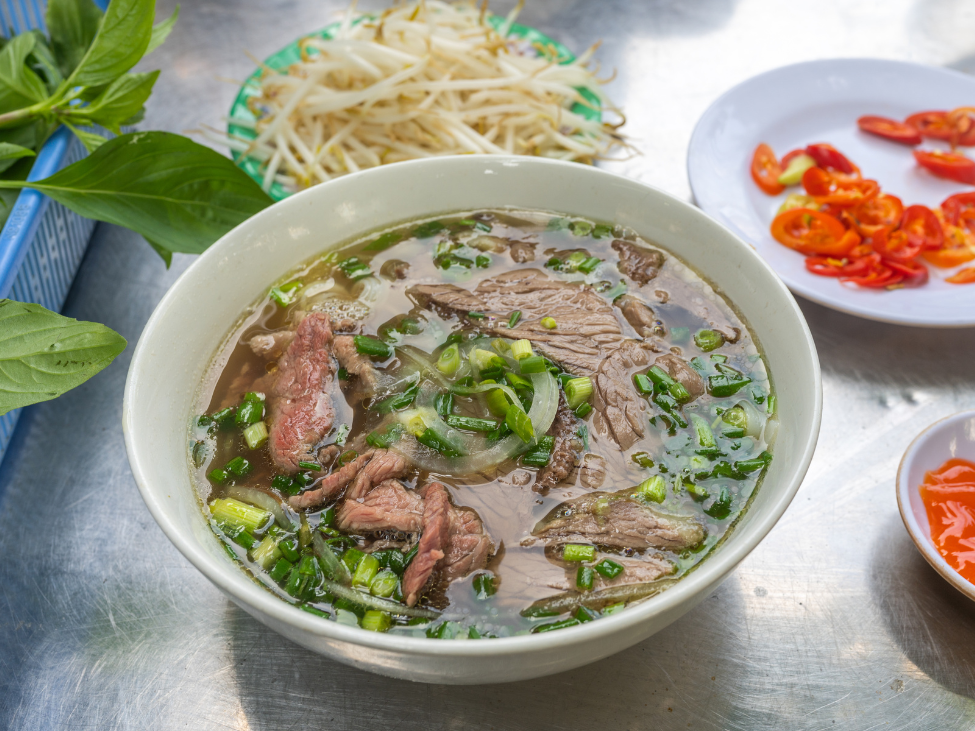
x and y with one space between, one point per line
468 545
433 542
587 342
332 485
394 269
639 315
388 507
271 346
637 262
356 364
678 369
522 252
593 472
300 408
328 454
635 571
566 449
617 520
384 465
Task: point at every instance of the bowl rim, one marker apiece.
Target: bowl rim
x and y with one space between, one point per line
710 572
921 538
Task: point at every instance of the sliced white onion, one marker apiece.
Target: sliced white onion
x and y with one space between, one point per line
265 501
754 419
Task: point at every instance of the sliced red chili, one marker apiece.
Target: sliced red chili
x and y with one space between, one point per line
914 273
962 276
922 227
808 231
880 212
895 245
949 165
827 156
827 266
766 170
890 129
933 125
832 189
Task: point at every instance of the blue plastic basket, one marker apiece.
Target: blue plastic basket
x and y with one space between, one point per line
42 243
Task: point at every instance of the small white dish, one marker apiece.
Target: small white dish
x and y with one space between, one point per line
189 323
950 438
820 101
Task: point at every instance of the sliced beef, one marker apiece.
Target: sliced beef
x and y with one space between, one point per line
388 507
593 472
433 541
617 520
384 465
332 485
678 369
639 315
522 252
271 346
565 450
328 454
394 269
356 364
587 342
637 262
468 545
635 571
301 412
488 243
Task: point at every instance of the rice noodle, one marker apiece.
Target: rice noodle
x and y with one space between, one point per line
423 79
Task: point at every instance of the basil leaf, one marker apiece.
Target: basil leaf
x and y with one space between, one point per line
91 140
20 86
9 154
161 31
177 193
42 62
43 354
122 99
166 254
72 25
121 41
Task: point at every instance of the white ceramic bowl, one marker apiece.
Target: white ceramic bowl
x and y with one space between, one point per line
192 319
952 437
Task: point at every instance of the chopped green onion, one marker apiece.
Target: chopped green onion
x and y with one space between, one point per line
552 626
346 457
752 465
376 621
383 584
549 323
218 476
444 404
482 261
351 558
613 609
585 614
313 610
540 454
285 484
471 424
281 297
328 517
515 317
496 400
583 410
581 228
430 438
303 479
609 569
663 379
602 231
500 345
719 358
372 347
255 435
224 417
726 385
383 440
721 507
266 553
653 489
484 587
310 466
354 269
578 390
249 412
238 514
516 381
280 570
449 360
557 224
698 492
521 349
643 459
643 384
705 437
578 552
736 416
238 466
575 259
518 421
428 229
770 404
365 571
585 578
533 364
397 401
590 264
476 315
708 340
289 548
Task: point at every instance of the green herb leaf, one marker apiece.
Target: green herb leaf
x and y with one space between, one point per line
44 354
120 100
21 87
72 25
42 62
121 41
91 140
180 195
161 31
9 154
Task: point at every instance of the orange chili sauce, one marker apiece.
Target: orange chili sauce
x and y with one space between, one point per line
949 496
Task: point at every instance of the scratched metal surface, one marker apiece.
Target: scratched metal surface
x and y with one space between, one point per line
834 622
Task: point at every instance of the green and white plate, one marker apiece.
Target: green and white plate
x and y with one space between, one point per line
291 54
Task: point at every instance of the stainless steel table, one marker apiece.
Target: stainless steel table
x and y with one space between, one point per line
834 622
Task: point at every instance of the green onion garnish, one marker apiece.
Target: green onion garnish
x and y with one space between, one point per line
581 228
255 435
663 379
238 466
533 364
281 569
285 484
266 553
609 569
471 424
238 514
585 578
384 583
653 489
583 410
578 552
218 476
372 347
521 348
518 421
708 340
515 317
721 507
449 360
602 231
484 586
366 571
705 437
476 315
540 454
643 384
516 381
549 323
577 391
643 459
552 626
585 614
249 412
309 466
589 265
482 261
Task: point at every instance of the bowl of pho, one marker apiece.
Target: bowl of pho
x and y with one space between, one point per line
472 419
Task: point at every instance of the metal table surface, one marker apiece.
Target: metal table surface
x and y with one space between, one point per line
834 622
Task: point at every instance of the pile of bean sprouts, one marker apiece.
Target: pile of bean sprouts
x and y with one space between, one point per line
425 78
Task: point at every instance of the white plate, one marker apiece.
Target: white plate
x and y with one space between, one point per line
820 101
950 438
